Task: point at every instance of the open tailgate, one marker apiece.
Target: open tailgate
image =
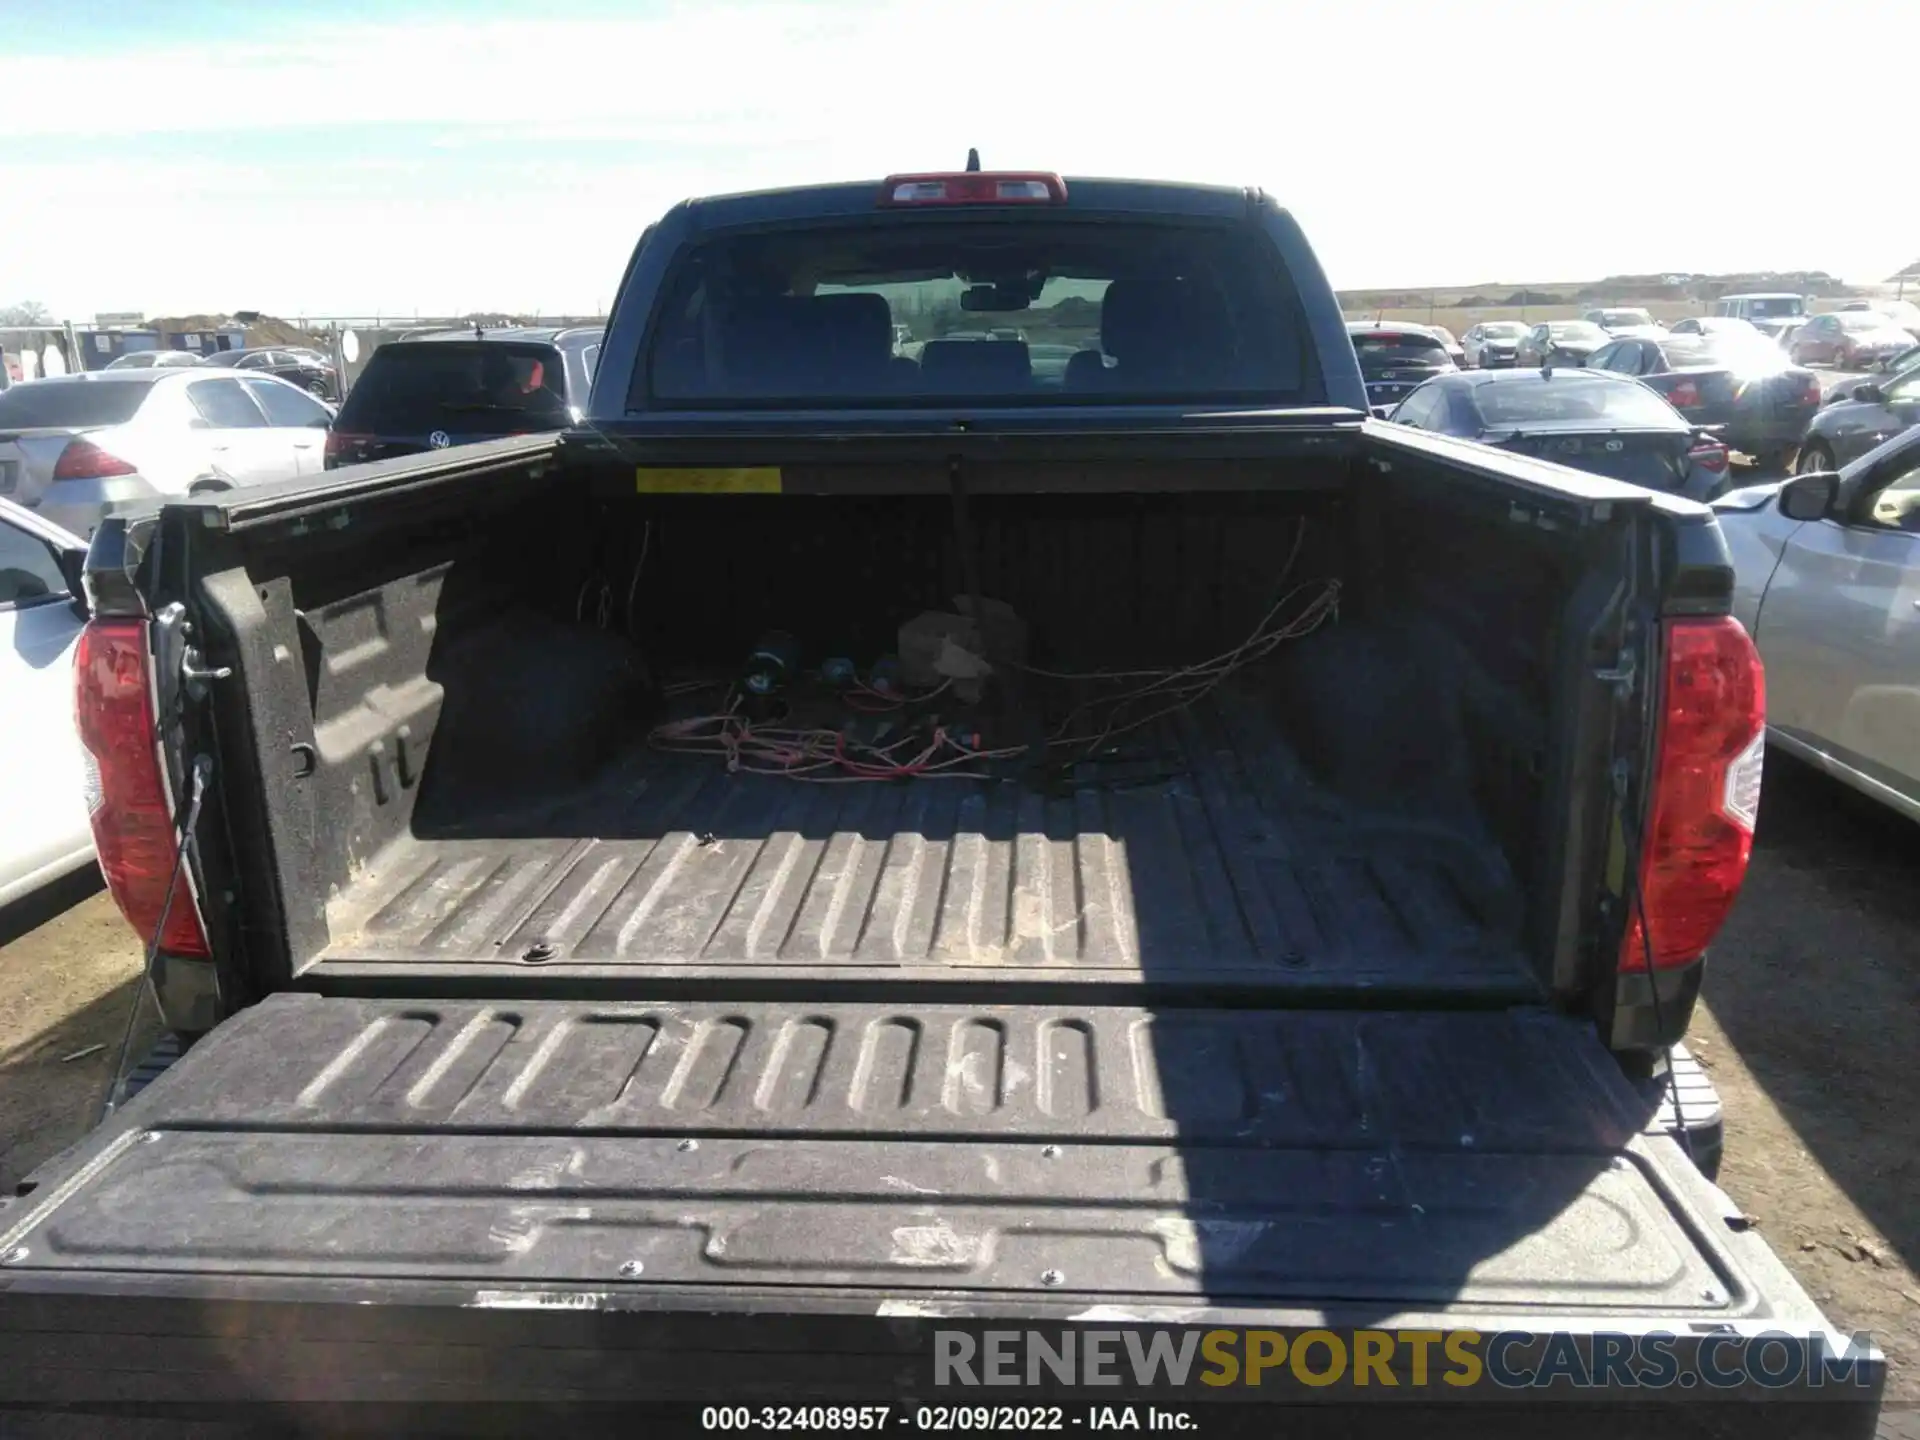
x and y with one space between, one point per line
458 1187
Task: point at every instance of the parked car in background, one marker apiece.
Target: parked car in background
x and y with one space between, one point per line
1874 412
43 771
79 447
1773 313
1848 340
154 360
1888 370
316 377
1825 571
1589 419
1716 325
1456 352
1740 384
1903 313
1898 364
1049 363
458 388
1616 322
1395 358
1560 342
1492 344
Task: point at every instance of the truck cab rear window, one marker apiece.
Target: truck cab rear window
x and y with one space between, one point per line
915 313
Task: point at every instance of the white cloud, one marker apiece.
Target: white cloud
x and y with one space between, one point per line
1418 143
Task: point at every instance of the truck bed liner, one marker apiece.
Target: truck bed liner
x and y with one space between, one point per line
1203 854
1425 1159
554 1178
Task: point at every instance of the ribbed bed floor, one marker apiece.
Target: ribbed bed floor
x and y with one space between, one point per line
1205 855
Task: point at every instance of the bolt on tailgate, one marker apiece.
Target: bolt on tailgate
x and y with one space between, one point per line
1394 1160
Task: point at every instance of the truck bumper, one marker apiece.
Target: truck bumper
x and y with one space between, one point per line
1646 1019
1698 1125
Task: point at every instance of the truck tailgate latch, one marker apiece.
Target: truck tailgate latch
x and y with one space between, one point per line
197 675
1620 673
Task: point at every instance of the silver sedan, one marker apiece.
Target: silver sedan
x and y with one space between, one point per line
1827 580
155 360
76 448
1868 413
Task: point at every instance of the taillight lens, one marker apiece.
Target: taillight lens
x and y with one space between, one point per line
1709 455
340 446
1810 391
84 460
1706 792
133 826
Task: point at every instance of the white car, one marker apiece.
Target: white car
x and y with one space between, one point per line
155 360
1626 323
76 448
1827 581
1903 313
1491 344
45 833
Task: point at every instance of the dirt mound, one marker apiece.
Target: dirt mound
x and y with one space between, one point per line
265 331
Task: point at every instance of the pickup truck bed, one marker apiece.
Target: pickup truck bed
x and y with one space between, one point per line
1205 854
1356 811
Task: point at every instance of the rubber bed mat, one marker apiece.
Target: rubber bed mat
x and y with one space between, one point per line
1208 856
1400 1159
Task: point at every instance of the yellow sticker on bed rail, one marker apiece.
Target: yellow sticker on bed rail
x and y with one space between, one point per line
712 480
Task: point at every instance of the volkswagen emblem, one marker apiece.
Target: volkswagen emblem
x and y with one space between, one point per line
439 439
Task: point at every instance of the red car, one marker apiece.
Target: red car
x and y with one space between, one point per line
1850 340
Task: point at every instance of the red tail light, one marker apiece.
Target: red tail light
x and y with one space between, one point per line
84 460
341 446
1684 395
1810 391
975 187
133 825
1708 455
1706 792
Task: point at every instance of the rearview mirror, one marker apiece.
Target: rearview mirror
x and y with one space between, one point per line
1809 497
993 298
1869 393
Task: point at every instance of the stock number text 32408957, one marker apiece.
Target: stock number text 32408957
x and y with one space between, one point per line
758 1419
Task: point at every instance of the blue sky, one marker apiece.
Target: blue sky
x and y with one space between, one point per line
353 156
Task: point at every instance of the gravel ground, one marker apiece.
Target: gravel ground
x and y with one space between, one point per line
1809 1028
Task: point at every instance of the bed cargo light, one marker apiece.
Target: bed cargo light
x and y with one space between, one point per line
978 187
